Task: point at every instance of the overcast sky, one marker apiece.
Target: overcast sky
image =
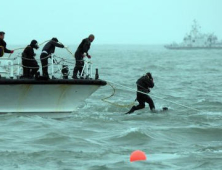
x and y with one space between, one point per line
112 21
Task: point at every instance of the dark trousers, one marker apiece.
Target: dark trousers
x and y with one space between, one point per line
30 68
79 64
77 69
44 62
142 99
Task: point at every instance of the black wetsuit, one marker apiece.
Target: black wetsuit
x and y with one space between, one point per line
143 85
48 49
3 44
30 65
83 48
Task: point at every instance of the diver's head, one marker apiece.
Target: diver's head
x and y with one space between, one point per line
91 37
34 44
2 34
149 75
55 39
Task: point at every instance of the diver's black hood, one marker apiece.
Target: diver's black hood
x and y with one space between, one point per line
34 44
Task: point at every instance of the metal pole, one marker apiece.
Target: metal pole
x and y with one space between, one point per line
91 70
52 55
87 69
83 69
18 72
11 69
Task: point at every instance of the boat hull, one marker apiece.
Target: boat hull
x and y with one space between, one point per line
45 96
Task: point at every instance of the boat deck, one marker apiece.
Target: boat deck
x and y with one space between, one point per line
53 81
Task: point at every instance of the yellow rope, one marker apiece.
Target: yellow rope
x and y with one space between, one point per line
21 48
115 104
44 42
69 51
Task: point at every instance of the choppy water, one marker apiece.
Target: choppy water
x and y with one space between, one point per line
100 136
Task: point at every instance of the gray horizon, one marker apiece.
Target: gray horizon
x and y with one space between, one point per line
112 22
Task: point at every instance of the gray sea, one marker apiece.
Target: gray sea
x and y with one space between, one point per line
99 136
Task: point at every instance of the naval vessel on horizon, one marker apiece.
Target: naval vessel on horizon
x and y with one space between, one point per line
196 40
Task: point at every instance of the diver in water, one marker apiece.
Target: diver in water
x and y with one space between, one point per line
79 54
30 65
47 50
143 85
3 44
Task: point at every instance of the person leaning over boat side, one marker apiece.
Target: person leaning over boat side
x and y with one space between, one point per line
3 44
79 54
47 50
30 65
143 85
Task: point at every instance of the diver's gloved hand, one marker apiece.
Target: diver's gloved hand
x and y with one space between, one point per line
89 56
12 51
62 46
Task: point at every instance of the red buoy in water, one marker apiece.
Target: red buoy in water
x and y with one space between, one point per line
137 156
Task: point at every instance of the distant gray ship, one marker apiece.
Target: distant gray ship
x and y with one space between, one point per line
196 40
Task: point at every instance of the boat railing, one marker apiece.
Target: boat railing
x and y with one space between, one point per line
7 67
58 67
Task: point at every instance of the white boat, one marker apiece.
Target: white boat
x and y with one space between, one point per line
57 95
196 40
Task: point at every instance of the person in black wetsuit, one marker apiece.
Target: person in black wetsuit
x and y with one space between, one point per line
48 49
3 44
79 54
30 65
143 85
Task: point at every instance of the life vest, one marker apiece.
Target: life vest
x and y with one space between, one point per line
1 51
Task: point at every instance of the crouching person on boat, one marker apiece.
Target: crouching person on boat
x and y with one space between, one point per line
3 44
143 85
30 65
82 49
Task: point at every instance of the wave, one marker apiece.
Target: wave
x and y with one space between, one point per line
134 136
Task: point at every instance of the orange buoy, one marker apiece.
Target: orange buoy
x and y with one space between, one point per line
137 156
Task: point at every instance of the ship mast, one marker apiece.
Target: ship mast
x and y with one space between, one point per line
195 30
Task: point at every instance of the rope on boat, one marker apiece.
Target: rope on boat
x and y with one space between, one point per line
21 48
67 49
56 63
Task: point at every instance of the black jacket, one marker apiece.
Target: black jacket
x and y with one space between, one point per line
28 53
144 83
84 46
3 43
28 57
50 46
